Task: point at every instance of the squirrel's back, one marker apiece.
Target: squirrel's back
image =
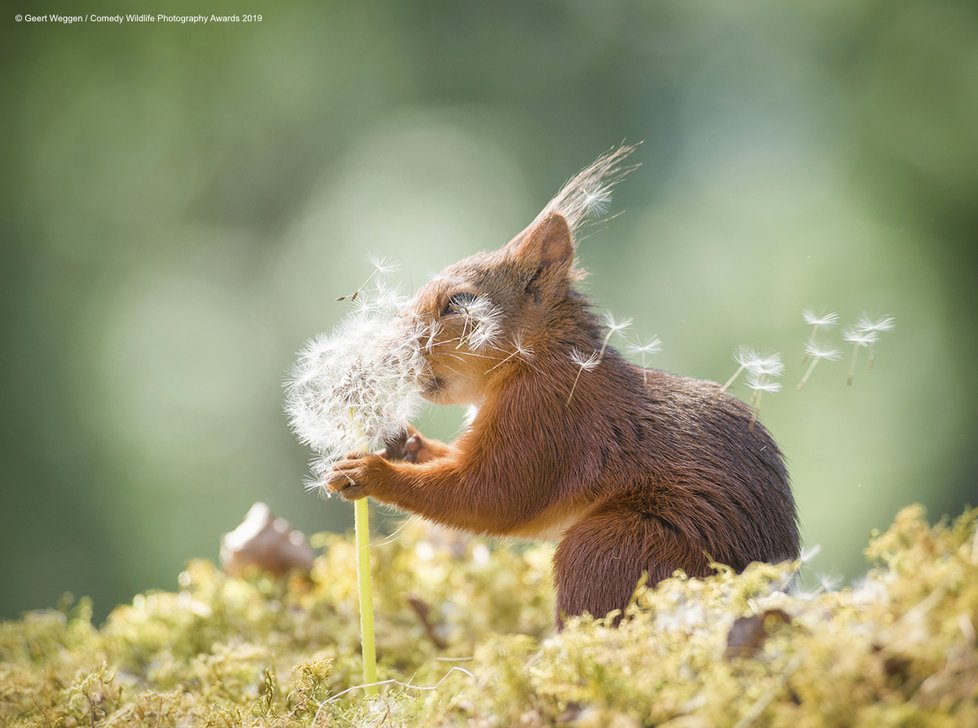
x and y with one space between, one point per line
674 448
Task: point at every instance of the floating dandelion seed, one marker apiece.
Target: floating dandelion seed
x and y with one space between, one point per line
520 349
746 358
760 370
596 201
886 323
587 363
381 265
858 338
817 322
384 265
381 299
614 327
652 346
770 365
809 553
584 363
481 323
866 324
428 334
825 321
588 193
816 353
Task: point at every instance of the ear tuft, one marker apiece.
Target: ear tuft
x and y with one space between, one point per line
546 243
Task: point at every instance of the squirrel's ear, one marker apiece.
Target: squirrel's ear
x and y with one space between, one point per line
546 243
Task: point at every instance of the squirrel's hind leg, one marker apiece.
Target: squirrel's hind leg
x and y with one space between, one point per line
601 558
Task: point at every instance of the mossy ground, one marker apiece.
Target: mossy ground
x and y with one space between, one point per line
466 631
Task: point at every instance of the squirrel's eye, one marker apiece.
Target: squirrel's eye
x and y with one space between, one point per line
457 303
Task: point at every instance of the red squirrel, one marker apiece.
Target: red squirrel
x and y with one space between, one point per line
634 471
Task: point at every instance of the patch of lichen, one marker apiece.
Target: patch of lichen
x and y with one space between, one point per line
473 623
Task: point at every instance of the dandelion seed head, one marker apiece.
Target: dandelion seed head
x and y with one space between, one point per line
586 362
867 325
859 337
824 321
817 351
355 387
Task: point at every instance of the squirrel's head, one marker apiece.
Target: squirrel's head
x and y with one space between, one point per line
491 312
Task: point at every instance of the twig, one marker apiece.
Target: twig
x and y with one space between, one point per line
406 686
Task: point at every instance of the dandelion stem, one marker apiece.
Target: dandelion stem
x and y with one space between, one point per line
381 265
869 361
574 386
808 372
809 343
365 592
732 379
503 361
852 364
755 408
604 344
361 515
356 294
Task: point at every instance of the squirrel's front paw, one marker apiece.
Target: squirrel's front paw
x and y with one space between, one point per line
354 476
413 447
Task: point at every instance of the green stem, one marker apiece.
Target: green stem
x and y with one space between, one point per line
361 515
365 591
852 364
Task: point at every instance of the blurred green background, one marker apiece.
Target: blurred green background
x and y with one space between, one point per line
182 204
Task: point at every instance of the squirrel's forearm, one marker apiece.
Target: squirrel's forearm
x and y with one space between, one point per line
436 449
445 492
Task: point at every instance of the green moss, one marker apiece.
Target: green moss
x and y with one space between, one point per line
898 649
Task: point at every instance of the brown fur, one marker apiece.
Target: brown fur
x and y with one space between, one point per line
637 472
